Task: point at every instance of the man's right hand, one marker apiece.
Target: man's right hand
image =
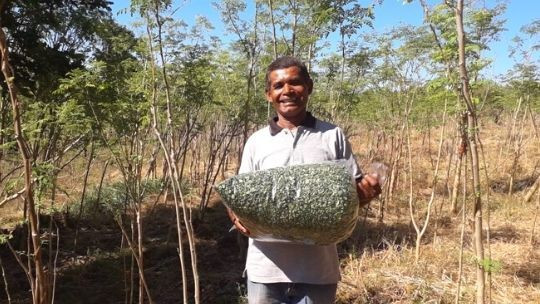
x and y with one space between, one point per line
368 188
237 223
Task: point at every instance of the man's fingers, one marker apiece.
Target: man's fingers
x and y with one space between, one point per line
372 183
372 179
241 227
369 188
237 222
231 215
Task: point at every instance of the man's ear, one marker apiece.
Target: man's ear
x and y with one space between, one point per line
268 97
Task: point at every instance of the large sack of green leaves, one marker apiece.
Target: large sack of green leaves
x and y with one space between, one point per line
313 203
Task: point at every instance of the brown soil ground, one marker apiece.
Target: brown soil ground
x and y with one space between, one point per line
98 270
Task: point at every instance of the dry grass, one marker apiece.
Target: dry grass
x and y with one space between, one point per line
378 260
388 274
383 269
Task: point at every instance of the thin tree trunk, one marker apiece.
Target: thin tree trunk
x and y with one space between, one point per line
341 78
461 150
518 145
6 286
475 168
27 271
128 274
450 158
462 235
30 268
141 256
396 165
294 8
167 158
455 185
136 257
342 65
3 122
463 144
131 266
531 192
274 40
310 56
274 44
224 141
124 272
51 261
152 163
252 62
488 216
533 123
83 195
509 139
55 263
100 187
173 168
189 137
531 238
421 231
42 288
384 195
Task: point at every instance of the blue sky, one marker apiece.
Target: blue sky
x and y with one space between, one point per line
391 13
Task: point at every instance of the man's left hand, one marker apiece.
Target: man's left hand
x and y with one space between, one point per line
368 188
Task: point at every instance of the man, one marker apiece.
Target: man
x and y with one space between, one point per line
292 272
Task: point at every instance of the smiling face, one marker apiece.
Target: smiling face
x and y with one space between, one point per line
288 92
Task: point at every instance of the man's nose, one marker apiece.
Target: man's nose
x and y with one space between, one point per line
287 89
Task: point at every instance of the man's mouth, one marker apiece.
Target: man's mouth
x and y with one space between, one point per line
288 101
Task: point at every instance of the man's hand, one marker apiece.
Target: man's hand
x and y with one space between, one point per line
368 188
237 223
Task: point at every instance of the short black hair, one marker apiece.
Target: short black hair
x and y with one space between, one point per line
283 63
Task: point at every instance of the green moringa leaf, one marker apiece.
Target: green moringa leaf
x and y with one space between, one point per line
315 203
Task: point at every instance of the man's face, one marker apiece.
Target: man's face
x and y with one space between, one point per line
288 92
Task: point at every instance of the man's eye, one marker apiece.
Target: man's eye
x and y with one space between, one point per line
278 85
296 82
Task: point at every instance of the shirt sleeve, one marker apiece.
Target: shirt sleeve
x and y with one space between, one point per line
344 151
246 164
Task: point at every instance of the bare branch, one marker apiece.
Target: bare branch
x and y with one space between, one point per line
12 197
9 173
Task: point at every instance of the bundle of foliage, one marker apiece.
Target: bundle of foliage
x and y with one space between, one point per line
314 203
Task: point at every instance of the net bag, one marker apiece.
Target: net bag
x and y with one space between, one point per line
312 203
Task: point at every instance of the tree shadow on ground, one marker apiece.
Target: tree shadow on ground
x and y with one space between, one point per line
378 236
505 233
99 271
520 184
372 234
529 271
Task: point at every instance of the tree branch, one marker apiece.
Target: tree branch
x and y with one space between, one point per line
12 197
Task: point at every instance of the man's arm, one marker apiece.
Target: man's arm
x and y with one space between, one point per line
246 165
367 185
368 188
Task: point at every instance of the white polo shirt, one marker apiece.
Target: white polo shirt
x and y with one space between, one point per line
312 142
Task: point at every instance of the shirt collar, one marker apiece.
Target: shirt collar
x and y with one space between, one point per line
309 122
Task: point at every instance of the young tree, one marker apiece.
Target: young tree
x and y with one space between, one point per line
249 42
472 139
40 284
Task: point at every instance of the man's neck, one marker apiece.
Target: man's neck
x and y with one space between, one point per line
291 123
